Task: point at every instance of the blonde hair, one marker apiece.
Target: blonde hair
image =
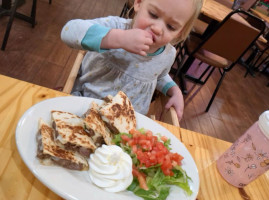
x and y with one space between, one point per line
197 4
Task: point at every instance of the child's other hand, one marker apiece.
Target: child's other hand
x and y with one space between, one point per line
176 100
137 41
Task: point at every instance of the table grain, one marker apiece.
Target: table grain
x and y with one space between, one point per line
217 12
261 15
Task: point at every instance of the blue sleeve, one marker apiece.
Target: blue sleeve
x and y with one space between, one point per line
165 83
168 86
93 38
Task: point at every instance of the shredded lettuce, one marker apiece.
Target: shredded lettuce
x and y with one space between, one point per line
157 190
167 144
117 138
157 182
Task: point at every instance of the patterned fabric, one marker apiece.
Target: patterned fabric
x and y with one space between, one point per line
105 72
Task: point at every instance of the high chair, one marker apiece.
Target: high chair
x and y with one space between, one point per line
156 110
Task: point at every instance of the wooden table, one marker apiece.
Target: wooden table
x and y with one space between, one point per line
215 12
261 15
17 182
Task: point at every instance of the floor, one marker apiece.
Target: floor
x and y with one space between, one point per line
37 55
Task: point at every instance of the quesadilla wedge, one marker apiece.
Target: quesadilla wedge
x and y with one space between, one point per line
49 153
100 134
118 113
71 132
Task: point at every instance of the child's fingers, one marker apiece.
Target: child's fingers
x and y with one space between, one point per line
142 53
168 104
147 34
148 41
145 48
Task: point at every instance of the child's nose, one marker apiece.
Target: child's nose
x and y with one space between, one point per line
157 29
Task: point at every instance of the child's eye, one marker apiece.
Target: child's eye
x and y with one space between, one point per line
154 16
170 27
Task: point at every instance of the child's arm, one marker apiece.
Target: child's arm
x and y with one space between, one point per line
105 33
132 40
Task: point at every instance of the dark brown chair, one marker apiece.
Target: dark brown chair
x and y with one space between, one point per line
221 49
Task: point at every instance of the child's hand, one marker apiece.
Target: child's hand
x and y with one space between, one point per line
176 100
137 41
133 40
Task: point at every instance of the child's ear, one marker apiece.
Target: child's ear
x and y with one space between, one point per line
137 5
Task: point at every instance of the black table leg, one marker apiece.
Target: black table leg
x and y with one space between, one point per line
9 25
12 13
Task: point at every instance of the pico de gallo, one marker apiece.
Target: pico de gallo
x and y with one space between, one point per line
155 167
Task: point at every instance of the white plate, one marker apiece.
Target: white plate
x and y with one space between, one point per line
76 185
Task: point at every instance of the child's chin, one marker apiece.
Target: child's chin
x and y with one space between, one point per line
153 50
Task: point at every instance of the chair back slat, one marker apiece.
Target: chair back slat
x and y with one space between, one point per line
233 36
231 39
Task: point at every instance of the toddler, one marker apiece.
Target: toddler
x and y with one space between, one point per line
133 55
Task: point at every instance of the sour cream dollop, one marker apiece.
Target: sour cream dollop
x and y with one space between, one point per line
111 168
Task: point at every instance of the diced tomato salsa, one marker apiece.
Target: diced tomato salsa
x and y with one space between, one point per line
150 151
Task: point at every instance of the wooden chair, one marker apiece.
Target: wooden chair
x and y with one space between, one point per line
73 73
156 110
221 49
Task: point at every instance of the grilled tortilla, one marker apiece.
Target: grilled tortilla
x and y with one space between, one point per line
118 113
71 132
50 153
100 134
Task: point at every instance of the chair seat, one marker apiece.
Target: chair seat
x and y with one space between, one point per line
262 46
262 53
212 59
206 56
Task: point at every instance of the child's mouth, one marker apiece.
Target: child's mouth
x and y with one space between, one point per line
153 37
